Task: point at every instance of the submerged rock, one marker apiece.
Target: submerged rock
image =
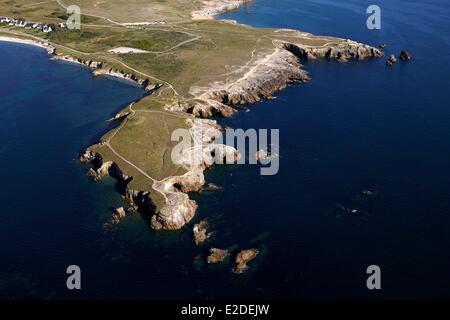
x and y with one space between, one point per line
89 157
132 208
217 255
369 193
352 211
243 258
119 116
213 187
405 56
119 215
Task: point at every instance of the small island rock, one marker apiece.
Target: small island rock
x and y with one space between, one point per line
392 59
119 215
217 255
201 232
243 258
405 56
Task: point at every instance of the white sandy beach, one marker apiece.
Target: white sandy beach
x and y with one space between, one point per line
24 41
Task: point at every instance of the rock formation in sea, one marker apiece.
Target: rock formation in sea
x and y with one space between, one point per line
405 56
342 51
119 215
261 155
243 258
217 255
391 60
202 232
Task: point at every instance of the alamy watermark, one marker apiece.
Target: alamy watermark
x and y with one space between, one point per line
236 146
374 20
74 20
374 280
74 280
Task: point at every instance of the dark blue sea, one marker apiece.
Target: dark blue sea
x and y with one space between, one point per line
354 127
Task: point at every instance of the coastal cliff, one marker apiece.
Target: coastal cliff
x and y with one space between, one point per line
342 51
274 71
178 209
101 69
269 75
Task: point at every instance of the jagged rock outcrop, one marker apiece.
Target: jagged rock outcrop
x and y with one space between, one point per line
99 69
211 187
217 255
203 108
137 200
211 8
269 75
201 232
51 50
243 258
145 83
177 211
108 168
119 215
342 51
195 158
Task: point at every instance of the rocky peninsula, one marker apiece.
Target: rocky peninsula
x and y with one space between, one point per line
192 70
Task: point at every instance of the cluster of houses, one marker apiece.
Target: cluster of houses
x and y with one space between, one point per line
21 23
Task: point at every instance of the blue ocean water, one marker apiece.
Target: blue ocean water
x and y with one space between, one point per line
353 127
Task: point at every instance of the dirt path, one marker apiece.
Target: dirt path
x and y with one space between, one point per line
145 174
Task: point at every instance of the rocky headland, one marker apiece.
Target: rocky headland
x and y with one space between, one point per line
272 72
275 62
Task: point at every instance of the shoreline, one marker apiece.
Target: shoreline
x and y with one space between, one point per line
29 42
94 66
